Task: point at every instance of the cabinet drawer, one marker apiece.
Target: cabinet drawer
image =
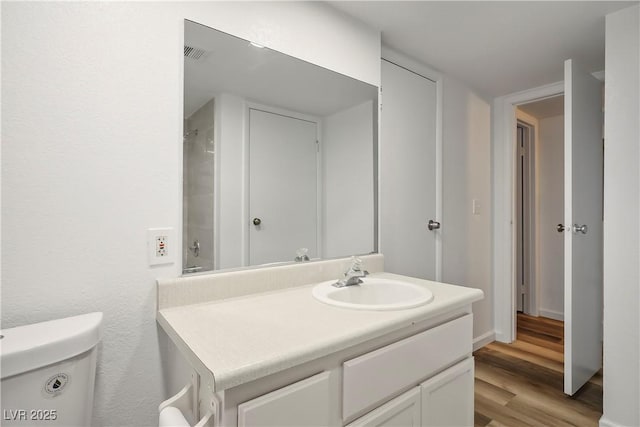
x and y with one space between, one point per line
372 378
305 403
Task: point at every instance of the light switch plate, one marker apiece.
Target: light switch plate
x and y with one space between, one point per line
475 207
161 246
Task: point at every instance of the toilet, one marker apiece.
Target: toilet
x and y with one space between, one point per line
48 372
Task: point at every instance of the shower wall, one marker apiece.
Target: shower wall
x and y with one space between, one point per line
198 186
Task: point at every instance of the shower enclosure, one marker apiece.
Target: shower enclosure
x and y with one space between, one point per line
198 189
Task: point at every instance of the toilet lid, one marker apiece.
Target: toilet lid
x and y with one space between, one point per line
29 347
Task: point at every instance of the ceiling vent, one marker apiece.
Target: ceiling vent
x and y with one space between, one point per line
193 52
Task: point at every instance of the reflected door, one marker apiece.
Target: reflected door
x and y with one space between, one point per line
583 171
283 181
408 173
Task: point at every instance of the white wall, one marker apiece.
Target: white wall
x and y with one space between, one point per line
347 161
92 157
550 211
466 238
230 225
621 220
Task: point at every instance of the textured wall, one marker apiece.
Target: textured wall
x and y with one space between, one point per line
92 157
466 237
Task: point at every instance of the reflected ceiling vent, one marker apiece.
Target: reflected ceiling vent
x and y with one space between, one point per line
194 52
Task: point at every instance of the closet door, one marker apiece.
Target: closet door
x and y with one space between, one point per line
408 173
283 181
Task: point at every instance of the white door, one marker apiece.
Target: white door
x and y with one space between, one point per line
583 172
283 214
408 173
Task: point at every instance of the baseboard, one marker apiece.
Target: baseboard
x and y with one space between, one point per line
556 315
608 423
483 340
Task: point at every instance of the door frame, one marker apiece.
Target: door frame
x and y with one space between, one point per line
502 162
504 204
245 174
531 125
422 70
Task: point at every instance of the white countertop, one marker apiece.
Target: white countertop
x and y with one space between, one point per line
245 338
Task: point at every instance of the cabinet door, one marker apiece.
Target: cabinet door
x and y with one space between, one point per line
305 403
403 411
447 398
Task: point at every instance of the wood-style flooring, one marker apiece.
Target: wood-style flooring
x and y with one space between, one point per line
520 384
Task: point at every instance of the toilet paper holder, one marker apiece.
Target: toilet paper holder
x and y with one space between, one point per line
186 401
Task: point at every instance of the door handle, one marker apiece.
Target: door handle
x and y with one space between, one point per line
433 225
561 228
257 221
580 228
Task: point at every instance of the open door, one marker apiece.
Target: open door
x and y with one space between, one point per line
583 175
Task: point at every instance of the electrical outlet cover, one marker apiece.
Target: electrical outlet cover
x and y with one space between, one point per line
161 246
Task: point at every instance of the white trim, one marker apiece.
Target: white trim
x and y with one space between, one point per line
217 189
483 340
605 422
551 314
503 165
437 77
534 246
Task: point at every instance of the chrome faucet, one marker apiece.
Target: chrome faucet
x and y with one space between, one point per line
353 275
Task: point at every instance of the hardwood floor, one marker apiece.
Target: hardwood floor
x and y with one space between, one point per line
520 384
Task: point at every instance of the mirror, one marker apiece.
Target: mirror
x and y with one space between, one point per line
279 157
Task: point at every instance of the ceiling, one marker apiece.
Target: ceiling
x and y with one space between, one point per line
549 107
496 48
231 65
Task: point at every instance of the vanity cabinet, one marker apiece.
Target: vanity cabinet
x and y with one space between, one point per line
442 401
423 380
324 366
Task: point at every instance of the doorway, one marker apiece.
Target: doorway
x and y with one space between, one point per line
581 227
539 208
525 216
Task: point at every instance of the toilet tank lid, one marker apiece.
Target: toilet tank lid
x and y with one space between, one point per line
29 347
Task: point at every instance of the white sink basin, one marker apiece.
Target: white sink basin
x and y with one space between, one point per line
373 294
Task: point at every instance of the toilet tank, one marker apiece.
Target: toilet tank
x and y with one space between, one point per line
48 371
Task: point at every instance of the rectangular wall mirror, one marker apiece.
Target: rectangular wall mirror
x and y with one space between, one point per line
279 157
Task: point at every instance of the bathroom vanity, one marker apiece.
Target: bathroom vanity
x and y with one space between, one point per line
263 351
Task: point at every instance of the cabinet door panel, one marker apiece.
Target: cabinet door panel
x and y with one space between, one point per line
447 398
403 411
305 403
372 378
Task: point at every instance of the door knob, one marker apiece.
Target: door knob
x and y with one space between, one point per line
560 228
257 221
433 225
580 228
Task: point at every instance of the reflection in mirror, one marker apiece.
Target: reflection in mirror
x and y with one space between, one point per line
278 155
